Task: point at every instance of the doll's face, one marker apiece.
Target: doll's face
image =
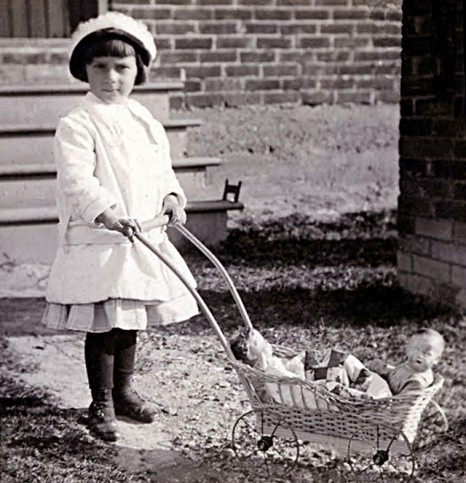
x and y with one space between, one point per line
259 351
111 79
423 352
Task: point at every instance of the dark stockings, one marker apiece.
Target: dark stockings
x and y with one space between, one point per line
109 358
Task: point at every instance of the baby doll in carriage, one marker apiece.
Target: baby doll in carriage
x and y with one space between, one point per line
254 350
343 373
423 351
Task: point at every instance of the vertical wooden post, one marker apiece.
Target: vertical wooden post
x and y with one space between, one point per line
5 19
85 9
102 6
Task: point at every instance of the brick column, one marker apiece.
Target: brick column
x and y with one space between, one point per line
432 202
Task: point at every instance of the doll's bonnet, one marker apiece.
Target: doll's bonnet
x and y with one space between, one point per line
111 25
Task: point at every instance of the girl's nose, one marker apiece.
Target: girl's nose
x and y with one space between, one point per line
112 74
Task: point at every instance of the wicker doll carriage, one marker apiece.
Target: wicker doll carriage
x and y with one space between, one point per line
373 434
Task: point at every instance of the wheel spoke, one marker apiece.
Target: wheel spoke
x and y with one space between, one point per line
368 438
266 464
402 464
394 467
245 437
396 458
251 426
395 436
430 416
357 458
365 469
262 423
275 429
253 453
278 454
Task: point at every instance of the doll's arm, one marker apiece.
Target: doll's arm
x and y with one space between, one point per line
380 367
410 386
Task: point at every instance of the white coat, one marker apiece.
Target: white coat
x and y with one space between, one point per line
112 156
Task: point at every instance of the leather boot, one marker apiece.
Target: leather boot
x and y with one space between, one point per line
99 350
102 420
129 403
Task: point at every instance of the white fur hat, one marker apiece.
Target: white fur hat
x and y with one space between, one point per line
112 25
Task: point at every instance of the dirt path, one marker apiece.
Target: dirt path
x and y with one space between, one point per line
186 380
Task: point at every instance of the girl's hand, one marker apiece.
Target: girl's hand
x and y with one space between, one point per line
172 208
126 226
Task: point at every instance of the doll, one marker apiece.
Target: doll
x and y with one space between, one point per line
423 350
252 349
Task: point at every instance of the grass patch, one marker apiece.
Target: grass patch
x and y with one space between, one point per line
41 442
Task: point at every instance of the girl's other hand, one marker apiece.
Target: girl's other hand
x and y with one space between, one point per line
172 208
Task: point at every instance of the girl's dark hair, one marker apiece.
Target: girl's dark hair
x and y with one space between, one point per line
111 47
108 48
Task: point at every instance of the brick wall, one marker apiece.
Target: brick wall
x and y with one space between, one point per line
232 52
432 202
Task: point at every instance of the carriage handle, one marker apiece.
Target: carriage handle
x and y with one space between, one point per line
163 220
216 262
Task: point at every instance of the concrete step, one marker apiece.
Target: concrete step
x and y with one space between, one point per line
34 185
33 144
40 215
14 171
29 235
30 104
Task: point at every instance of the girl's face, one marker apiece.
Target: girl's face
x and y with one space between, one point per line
112 79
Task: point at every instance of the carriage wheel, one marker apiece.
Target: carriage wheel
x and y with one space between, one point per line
256 434
382 450
433 423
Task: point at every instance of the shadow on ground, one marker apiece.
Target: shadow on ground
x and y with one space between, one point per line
379 305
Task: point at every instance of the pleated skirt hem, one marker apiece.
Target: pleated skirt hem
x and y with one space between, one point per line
126 314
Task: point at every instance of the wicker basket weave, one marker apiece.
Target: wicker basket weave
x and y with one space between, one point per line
330 415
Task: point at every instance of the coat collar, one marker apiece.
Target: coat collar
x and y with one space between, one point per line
91 101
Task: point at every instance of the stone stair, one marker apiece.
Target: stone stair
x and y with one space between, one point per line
27 172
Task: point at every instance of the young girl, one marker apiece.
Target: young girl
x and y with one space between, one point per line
113 168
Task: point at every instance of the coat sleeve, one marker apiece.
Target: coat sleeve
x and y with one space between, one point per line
170 181
76 161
